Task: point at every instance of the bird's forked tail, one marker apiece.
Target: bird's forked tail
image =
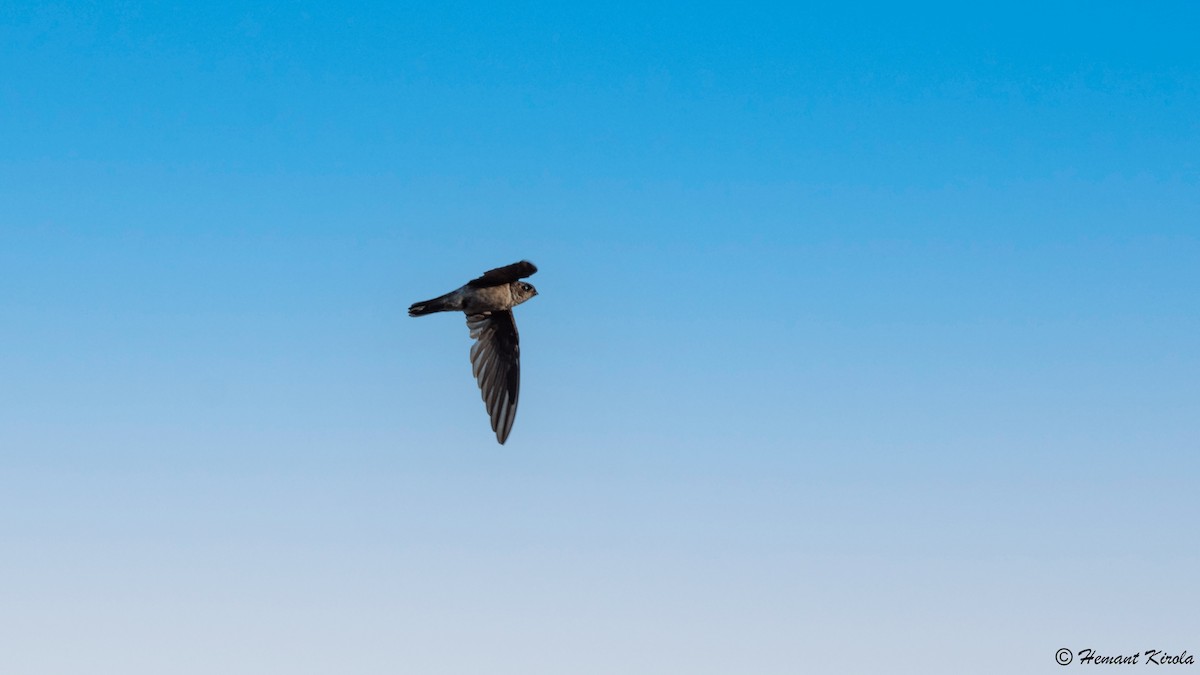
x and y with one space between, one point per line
438 304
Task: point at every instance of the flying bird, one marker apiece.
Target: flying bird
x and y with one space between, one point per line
496 354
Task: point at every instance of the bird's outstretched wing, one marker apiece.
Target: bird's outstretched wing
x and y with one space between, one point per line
496 362
504 275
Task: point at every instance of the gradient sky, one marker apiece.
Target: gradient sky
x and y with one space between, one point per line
867 339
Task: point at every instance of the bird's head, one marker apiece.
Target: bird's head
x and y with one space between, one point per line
523 291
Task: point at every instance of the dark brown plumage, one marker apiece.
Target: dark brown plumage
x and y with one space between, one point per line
496 355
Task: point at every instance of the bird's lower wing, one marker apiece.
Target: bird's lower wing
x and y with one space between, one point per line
496 363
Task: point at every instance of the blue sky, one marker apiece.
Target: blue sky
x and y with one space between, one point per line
866 339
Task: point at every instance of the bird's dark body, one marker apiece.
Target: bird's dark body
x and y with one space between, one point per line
469 300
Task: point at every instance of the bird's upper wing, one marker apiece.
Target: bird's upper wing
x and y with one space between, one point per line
496 362
504 275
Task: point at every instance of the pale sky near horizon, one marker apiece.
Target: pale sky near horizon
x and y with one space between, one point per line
866 339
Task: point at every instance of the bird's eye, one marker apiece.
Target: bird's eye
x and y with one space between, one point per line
525 287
